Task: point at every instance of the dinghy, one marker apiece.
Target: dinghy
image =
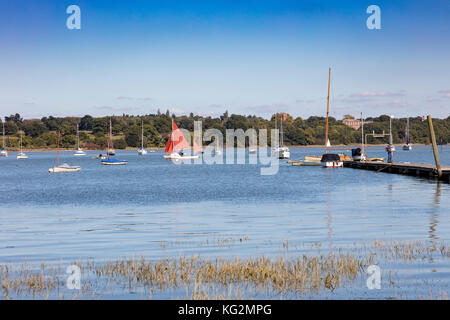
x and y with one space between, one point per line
177 144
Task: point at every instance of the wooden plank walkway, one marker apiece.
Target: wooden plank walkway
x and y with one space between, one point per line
412 169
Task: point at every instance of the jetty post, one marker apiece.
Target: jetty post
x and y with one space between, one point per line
435 149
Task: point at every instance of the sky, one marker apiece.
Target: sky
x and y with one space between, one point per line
205 57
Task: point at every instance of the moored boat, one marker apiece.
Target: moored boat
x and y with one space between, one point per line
79 152
142 151
177 144
64 167
407 146
331 160
21 154
113 162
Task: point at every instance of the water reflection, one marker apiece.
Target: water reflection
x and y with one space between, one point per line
434 213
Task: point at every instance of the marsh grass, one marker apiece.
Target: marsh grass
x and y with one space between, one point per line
195 277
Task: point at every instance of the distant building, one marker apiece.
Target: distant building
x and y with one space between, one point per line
352 123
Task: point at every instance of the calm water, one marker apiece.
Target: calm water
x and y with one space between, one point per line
155 208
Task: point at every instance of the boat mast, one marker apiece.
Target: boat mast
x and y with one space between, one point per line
281 129
407 131
276 116
142 136
78 139
4 139
57 154
110 134
328 110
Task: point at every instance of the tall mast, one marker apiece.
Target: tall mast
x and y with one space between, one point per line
276 118
4 139
110 134
281 129
57 154
78 139
328 109
142 136
362 134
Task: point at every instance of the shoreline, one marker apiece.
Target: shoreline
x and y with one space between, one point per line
155 148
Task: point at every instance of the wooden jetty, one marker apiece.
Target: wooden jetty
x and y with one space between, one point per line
411 169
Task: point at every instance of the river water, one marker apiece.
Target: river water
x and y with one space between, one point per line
155 208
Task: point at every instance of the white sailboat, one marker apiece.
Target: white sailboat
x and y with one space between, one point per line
3 152
281 150
21 154
64 167
142 151
407 146
79 151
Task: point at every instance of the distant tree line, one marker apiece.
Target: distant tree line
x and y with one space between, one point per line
126 129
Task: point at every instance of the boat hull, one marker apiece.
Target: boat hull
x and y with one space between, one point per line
64 169
176 156
4 153
142 152
114 163
286 154
332 164
407 147
307 163
21 156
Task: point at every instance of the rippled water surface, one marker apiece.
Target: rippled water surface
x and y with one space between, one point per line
158 209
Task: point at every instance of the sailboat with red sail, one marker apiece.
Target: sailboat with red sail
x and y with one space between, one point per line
177 144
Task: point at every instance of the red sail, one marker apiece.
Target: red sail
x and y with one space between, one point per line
176 142
169 146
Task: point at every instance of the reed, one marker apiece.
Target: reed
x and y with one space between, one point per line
195 277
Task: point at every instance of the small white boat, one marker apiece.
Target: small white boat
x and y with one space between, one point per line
79 152
65 167
217 152
142 151
282 151
21 154
331 160
407 147
252 150
4 153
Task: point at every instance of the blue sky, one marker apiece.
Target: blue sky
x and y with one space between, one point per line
247 57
